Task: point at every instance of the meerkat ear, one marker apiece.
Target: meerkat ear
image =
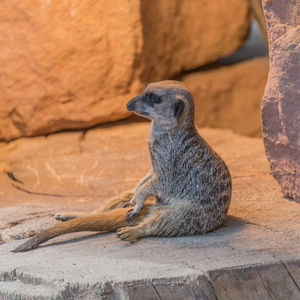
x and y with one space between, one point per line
178 108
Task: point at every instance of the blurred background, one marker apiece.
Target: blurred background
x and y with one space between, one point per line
67 64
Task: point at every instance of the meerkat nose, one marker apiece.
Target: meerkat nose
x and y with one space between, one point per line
129 106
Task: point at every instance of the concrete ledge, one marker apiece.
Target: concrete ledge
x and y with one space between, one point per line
255 255
61 280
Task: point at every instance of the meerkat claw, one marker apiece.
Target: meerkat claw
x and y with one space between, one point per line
126 204
129 215
129 211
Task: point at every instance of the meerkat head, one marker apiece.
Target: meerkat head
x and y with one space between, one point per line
168 103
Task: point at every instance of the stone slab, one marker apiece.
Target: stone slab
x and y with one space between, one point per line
255 253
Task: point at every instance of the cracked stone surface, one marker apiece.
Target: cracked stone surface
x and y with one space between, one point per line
255 255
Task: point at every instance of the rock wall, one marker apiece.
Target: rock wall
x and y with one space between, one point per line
62 65
281 106
67 64
181 35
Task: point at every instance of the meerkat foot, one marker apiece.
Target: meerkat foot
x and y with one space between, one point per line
68 216
129 234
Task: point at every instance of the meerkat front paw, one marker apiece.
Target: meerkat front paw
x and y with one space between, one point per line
130 203
128 234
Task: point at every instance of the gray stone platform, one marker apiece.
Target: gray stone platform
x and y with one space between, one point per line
255 255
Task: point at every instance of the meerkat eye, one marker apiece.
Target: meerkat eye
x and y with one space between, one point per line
151 99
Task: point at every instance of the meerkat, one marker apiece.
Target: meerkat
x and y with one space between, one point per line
187 191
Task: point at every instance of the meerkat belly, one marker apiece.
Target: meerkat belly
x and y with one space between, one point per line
190 177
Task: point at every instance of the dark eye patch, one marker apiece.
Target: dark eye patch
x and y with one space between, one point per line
152 99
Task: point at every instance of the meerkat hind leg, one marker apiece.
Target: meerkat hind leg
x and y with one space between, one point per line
113 203
108 221
117 201
172 221
129 234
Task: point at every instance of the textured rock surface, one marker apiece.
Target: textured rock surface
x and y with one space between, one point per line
281 106
255 254
62 65
183 35
75 64
230 96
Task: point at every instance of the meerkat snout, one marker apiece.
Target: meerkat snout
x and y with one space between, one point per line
129 106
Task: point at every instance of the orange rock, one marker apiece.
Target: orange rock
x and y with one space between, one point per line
183 35
67 64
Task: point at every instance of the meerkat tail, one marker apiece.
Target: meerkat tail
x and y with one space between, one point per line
108 221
